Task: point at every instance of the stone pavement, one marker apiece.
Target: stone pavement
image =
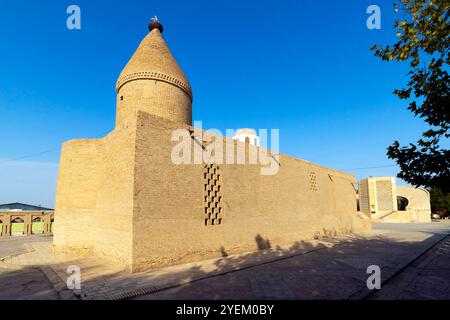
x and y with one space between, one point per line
18 245
21 282
326 269
336 272
426 278
103 281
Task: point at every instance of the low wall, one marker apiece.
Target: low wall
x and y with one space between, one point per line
28 222
419 202
407 216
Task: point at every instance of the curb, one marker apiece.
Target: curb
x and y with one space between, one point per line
58 284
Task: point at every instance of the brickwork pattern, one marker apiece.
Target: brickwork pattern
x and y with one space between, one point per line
312 181
153 82
141 211
213 195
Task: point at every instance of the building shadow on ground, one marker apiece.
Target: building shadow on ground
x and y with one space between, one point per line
330 268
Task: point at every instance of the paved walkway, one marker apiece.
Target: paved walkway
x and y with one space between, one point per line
336 272
327 269
22 282
426 278
18 245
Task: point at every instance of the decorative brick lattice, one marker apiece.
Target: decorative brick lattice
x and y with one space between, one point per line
212 195
312 181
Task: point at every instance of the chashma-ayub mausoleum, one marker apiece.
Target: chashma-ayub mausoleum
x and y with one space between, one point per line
124 199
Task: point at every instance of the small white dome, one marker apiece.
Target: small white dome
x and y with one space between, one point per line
244 134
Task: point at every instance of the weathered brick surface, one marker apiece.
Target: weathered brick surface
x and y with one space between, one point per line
282 208
122 197
94 201
134 206
76 194
153 82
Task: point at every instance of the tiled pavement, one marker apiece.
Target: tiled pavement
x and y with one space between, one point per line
426 278
103 281
337 272
18 245
331 269
23 282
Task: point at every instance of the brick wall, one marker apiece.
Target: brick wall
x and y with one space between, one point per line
169 205
140 210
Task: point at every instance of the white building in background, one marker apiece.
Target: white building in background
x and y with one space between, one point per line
250 134
381 199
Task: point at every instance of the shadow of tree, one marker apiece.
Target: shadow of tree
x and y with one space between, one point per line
261 243
332 268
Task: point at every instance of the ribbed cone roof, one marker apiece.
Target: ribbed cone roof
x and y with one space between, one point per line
153 60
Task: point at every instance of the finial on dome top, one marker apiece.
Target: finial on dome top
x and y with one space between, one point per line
156 25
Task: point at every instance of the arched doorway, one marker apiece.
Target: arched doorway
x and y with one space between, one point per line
17 227
1 227
402 203
51 224
37 225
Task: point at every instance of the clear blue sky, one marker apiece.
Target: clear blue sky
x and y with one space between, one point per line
303 67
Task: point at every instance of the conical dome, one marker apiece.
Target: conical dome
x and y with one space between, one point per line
153 82
153 60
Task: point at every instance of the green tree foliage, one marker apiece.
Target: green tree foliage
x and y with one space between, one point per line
439 200
424 41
